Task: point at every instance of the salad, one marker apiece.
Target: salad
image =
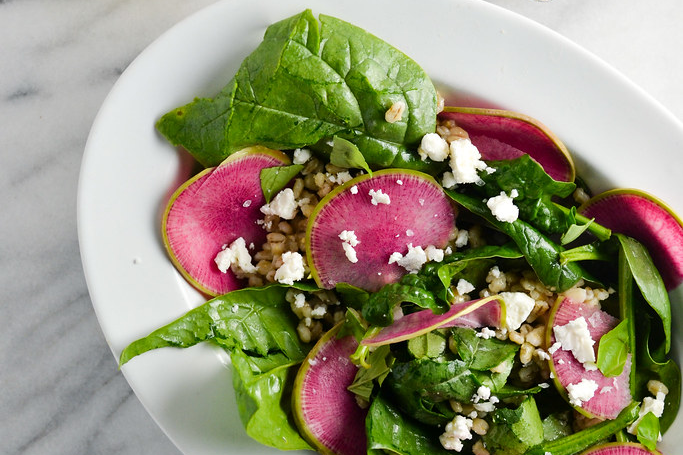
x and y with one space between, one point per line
389 274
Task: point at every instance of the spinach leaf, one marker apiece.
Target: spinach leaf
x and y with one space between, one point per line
596 251
306 83
613 350
556 426
432 344
513 431
380 361
379 309
273 179
649 282
389 430
480 353
346 154
574 232
541 253
535 190
436 380
263 402
255 320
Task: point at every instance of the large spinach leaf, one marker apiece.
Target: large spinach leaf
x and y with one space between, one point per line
255 320
263 400
513 431
542 254
535 189
480 353
305 84
389 430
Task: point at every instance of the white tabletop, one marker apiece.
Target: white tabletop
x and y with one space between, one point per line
60 389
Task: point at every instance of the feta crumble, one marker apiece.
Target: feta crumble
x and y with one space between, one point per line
282 205
349 241
486 333
413 261
455 432
378 197
434 147
518 306
466 161
581 391
292 268
301 156
464 287
434 254
654 405
575 337
448 180
503 207
236 254
354 189
462 238
246 203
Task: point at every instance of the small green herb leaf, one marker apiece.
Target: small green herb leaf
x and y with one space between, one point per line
574 232
346 154
273 179
648 431
613 350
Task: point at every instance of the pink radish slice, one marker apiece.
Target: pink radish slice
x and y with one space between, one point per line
326 412
485 312
419 213
620 448
646 219
504 135
213 209
613 394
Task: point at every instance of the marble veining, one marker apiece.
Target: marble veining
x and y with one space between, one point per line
60 389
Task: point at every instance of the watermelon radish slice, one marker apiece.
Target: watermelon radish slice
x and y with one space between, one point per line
620 448
504 135
418 213
212 209
646 219
487 312
612 394
326 412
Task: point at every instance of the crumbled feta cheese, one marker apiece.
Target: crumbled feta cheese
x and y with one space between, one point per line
465 161
340 177
434 147
486 333
246 203
301 156
455 432
434 254
518 306
235 308
354 189
410 233
395 112
319 311
448 180
350 252
349 241
575 337
282 205
448 250
299 300
464 286
462 238
237 255
542 354
399 182
503 207
292 268
581 391
349 237
412 261
483 394
378 197
552 349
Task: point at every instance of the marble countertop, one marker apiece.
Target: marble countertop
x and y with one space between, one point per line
60 389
